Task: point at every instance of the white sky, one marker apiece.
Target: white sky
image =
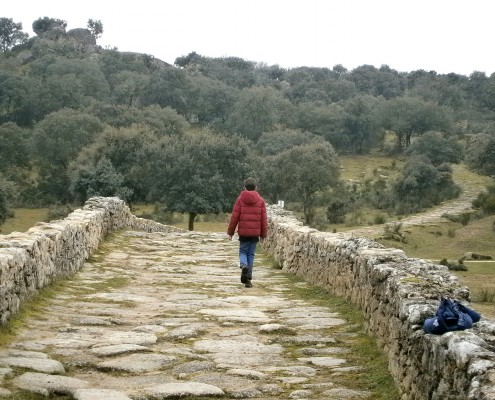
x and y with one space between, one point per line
440 35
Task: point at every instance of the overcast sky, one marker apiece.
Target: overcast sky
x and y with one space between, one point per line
440 35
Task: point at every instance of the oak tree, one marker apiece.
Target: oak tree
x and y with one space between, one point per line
11 34
198 173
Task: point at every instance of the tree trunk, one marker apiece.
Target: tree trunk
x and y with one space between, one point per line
399 141
408 139
308 210
192 215
360 145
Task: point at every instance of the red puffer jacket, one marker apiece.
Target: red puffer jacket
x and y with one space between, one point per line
249 215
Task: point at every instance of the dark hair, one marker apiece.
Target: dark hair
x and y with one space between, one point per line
250 184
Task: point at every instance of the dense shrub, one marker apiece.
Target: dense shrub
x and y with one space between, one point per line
437 148
394 232
58 211
462 218
480 154
485 296
422 185
336 212
6 194
453 266
486 201
379 219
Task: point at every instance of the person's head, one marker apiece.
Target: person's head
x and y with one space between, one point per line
250 184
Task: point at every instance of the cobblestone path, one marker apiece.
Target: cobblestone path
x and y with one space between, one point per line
156 315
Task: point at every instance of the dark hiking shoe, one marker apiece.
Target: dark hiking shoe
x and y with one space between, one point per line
248 284
244 278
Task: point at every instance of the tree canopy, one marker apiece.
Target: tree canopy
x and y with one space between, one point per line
45 24
408 116
73 116
95 27
11 34
481 154
197 173
438 148
6 195
421 185
100 180
301 171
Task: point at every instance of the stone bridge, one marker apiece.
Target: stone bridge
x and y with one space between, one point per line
154 312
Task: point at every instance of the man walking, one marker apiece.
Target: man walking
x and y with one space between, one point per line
249 216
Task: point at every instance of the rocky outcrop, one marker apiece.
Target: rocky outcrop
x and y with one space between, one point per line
49 27
396 294
31 260
82 36
152 63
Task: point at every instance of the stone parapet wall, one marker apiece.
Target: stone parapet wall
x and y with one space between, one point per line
31 260
396 294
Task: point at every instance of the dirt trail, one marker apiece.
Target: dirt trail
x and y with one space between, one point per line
470 183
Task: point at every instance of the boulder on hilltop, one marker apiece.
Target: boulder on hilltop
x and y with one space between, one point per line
82 36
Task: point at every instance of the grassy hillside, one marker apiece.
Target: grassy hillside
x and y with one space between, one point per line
440 239
451 241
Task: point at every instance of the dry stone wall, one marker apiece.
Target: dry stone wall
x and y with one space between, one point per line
396 294
31 260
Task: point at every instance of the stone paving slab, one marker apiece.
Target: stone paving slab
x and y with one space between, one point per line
47 384
180 389
99 394
36 364
164 315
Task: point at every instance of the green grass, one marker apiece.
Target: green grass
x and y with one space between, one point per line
33 307
140 209
205 226
480 278
447 239
469 179
84 293
363 167
24 219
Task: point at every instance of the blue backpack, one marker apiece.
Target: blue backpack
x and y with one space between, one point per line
450 316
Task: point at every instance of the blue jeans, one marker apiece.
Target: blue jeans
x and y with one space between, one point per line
246 256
